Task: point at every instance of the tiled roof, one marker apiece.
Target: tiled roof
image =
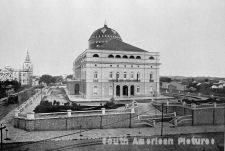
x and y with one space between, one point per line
118 45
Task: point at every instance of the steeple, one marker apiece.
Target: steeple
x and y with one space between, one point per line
27 66
27 57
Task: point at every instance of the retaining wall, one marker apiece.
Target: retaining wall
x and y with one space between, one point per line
113 120
25 94
200 115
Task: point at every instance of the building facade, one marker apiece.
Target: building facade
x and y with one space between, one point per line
21 75
111 68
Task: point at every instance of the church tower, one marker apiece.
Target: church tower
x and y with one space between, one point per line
27 71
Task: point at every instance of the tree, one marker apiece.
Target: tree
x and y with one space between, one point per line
58 79
70 76
165 79
47 79
12 84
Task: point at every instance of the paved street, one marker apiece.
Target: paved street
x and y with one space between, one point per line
18 135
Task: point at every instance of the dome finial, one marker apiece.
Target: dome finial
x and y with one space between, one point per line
105 24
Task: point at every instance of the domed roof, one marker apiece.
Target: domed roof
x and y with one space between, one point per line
102 35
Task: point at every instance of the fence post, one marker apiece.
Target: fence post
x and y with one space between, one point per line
192 112
130 121
167 106
132 109
214 110
69 113
103 110
175 121
184 103
215 104
193 105
175 118
153 123
16 113
101 127
30 115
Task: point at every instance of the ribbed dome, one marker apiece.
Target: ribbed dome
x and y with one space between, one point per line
101 36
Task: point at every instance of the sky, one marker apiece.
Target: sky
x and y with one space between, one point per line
189 34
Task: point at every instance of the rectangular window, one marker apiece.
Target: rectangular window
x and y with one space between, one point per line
138 89
151 79
125 75
132 75
95 90
117 75
138 76
95 75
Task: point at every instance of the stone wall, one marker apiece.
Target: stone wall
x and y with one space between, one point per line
113 120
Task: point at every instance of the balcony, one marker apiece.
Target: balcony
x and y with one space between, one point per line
95 80
124 80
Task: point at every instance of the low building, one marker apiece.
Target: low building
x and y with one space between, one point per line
21 75
173 86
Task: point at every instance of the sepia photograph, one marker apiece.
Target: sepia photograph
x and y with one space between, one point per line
112 75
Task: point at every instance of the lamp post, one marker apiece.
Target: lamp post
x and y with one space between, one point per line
1 128
162 121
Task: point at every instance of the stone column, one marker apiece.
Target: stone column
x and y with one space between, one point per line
103 110
121 91
30 115
128 91
69 113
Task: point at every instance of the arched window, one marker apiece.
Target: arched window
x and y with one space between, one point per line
95 55
118 56
131 57
138 57
125 56
151 58
110 56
